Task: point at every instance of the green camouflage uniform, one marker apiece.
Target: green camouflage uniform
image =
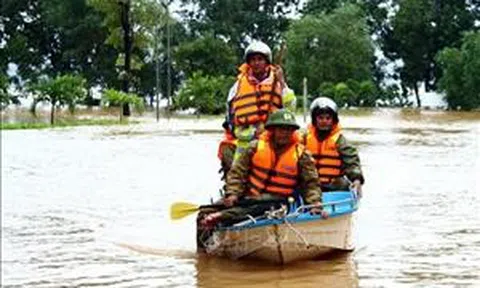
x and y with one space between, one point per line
227 151
351 164
237 184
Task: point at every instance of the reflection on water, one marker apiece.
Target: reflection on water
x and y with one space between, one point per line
336 271
88 206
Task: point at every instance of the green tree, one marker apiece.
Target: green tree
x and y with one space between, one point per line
49 38
323 6
329 48
239 21
412 41
114 97
342 94
122 18
351 92
206 94
208 55
419 30
367 94
5 97
149 20
63 90
376 15
460 79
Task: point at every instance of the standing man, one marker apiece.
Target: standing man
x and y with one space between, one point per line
260 89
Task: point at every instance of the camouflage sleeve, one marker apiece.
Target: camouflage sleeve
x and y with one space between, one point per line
308 180
237 177
227 152
302 135
351 160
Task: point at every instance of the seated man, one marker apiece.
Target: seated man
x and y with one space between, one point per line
273 167
226 150
336 160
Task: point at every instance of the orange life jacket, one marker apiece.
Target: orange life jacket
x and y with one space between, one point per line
271 174
326 155
254 102
228 140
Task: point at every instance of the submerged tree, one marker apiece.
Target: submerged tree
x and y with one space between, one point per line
113 97
420 29
63 90
460 79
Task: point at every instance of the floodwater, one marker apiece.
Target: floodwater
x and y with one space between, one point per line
89 206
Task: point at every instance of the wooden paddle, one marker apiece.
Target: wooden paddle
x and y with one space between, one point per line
179 210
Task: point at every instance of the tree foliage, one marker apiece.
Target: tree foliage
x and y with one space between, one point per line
63 90
324 6
240 21
146 16
461 80
350 93
206 94
331 43
419 30
208 55
329 48
112 97
49 38
5 97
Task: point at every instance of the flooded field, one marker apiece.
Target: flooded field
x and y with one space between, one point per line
88 206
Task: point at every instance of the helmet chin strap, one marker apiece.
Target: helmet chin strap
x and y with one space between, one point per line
325 128
323 132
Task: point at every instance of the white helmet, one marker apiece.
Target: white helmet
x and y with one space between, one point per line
258 47
323 104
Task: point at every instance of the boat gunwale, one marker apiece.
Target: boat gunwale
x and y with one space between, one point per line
294 217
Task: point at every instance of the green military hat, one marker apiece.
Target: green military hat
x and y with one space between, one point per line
282 117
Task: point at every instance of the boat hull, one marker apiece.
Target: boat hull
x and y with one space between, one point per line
286 242
296 236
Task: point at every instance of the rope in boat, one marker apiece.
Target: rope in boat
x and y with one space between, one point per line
213 243
297 233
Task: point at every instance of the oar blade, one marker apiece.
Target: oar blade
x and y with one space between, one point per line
179 210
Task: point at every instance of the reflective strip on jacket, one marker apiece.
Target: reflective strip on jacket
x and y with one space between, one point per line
327 158
269 174
254 102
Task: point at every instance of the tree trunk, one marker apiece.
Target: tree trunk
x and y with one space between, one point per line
52 114
419 103
127 44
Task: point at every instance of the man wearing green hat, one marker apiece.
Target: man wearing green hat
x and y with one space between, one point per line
272 168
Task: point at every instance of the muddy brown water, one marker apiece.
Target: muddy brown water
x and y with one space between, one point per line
88 206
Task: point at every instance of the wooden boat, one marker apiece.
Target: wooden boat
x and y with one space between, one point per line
290 236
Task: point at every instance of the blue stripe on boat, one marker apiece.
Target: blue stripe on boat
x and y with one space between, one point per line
336 203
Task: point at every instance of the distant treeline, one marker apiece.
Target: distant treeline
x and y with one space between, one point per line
49 49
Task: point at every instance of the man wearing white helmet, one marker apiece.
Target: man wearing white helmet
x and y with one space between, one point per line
260 89
337 161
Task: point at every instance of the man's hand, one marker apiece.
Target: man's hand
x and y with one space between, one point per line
317 209
357 187
280 76
230 200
